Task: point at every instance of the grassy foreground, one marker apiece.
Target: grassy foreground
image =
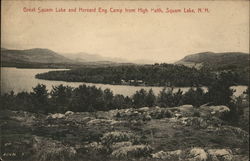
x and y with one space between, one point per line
146 134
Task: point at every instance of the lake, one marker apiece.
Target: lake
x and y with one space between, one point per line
20 79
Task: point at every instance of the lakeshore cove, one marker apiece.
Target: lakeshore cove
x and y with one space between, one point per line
22 79
142 10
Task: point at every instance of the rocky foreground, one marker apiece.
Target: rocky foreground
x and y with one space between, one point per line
146 134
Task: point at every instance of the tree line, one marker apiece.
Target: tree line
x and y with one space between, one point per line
90 98
147 75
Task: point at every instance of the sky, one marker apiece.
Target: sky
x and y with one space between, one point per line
159 37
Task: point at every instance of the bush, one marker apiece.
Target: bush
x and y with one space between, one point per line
196 114
121 144
96 147
132 151
161 113
50 150
117 136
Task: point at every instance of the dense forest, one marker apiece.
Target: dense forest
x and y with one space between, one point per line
145 75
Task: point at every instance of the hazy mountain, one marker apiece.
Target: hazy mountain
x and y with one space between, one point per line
86 57
236 59
36 55
40 56
45 58
144 61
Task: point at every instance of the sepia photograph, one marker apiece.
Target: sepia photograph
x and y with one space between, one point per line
124 80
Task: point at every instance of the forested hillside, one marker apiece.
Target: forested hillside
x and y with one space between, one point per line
36 55
218 61
149 75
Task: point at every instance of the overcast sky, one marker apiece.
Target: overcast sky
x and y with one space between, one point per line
153 36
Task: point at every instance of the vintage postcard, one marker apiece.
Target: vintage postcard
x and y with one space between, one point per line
124 80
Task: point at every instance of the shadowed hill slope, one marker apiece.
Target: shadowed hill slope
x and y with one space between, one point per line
36 55
217 60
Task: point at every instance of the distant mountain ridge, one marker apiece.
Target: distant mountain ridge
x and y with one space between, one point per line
35 55
86 57
11 57
45 58
216 59
41 56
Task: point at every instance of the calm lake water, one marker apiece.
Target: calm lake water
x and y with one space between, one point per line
18 79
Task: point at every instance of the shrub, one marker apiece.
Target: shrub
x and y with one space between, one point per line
196 114
132 151
96 147
50 150
161 113
117 136
121 144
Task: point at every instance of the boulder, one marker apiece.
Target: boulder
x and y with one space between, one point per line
178 115
217 111
175 153
170 155
184 110
220 109
103 115
184 121
160 113
147 117
69 113
160 155
197 154
56 116
143 109
220 154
